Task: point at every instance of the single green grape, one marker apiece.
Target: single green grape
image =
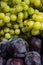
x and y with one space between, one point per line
6 9
21 25
34 17
36 11
13 10
25 15
13 17
9 25
3 39
30 24
27 2
6 19
7 36
6 30
2 15
25 7
19 21
3 4
18 1
25 22
37 25
11 31
24 29
35 32
17 31
16 26
20 15
8 14
37 3
30 11
19 8
39 18
1 23
2 32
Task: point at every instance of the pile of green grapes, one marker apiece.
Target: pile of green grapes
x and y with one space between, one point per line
20 18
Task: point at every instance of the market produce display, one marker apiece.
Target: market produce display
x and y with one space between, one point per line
21 32
20 18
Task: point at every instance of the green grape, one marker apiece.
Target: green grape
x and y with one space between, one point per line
9 25
41 28
8 14
7 36
19 8
6 19
1 23
35 32
25 22
39 18
30 11
18 1
30 24
25 7
19 21
6 9
2 32
37 25
36 11
27 2
6 30
3 39
34 17
21 25
13 10
25 15
20 16
17 31
24 30
23 3
37 3
3 4
2 15
11 32
16 26
13 17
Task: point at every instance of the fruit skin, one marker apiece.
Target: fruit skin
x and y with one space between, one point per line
15 61
19 46
33 58
35 44
2 61
7 36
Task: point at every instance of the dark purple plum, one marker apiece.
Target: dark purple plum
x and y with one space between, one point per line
33 58
18 47
13 61
35 44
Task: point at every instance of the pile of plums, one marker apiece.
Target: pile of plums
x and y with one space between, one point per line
20 52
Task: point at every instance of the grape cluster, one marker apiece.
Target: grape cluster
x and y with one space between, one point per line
20 18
